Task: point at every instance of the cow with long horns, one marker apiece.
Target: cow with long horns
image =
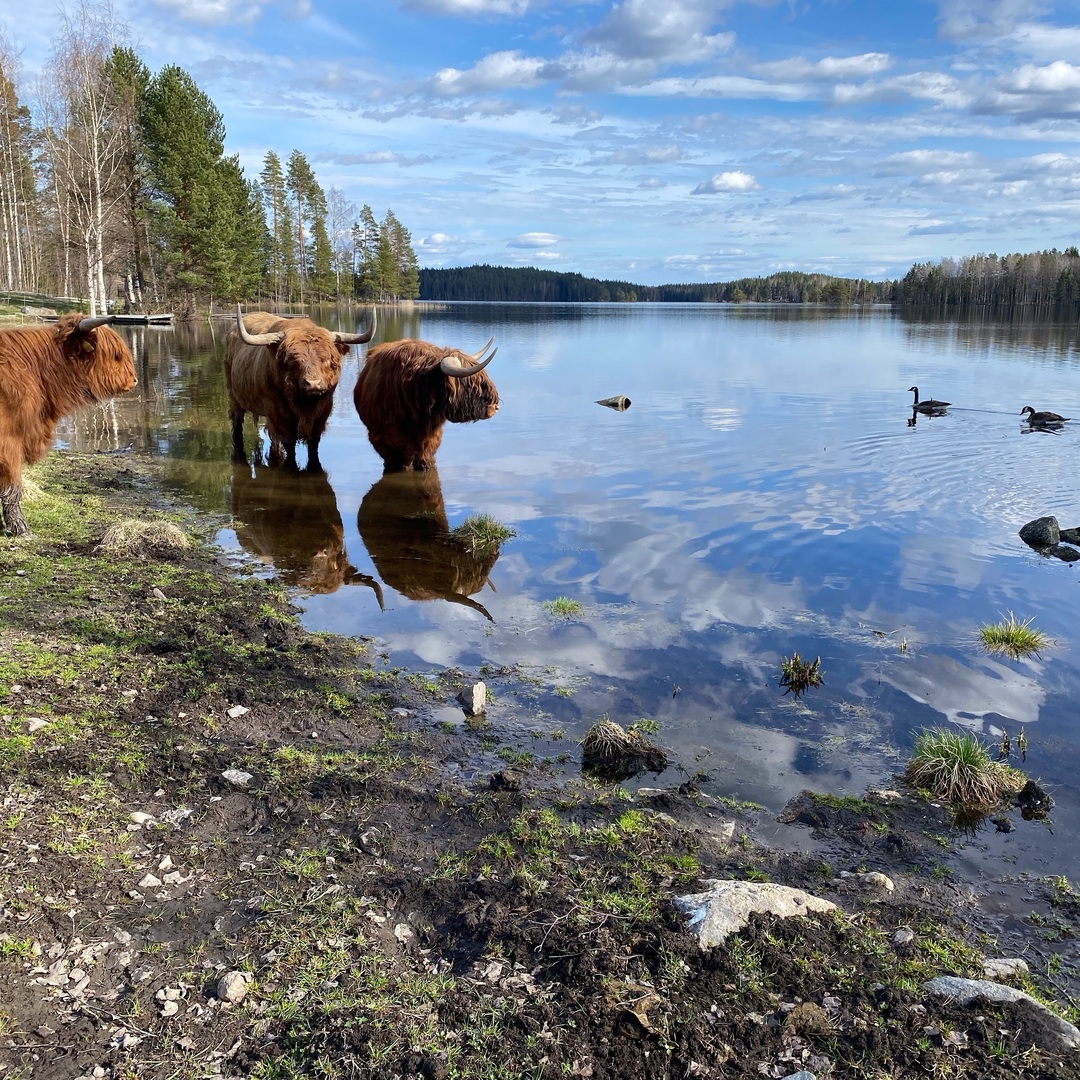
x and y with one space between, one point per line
286 370
408 389
46 372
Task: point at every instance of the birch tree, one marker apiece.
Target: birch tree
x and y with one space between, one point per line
18 197
84 137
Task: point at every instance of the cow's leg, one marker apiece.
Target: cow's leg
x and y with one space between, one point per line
314 465
11 508
237 418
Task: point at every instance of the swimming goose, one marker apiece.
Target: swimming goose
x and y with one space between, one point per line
1037 418
929 405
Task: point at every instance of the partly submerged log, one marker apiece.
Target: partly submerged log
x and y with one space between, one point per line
620 403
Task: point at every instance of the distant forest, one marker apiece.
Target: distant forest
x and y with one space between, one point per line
527 284
1041 280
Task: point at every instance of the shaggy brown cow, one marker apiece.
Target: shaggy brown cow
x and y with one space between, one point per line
47 372
286 370
402 521
408 389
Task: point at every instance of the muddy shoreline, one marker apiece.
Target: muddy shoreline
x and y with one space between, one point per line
233 848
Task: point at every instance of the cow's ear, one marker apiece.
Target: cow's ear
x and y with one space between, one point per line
87 345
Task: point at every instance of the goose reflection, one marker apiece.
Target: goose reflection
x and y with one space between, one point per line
290 520
402 521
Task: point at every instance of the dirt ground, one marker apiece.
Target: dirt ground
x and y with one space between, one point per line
230 848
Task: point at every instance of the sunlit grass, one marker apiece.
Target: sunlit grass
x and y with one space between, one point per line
1013 637
957 768
563 605
481 532
798 675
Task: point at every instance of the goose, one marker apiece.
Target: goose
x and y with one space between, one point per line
1037 418
929 405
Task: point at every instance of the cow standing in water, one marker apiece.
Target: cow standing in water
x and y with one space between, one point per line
286 370
47 372
408 389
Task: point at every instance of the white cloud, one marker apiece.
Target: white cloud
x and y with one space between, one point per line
497 71
471 8
211 12
375 157
725 86
533 240
921 162
676 30
726 181
828 69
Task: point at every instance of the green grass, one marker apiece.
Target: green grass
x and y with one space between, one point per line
481 532
1013 637
564 606
957 768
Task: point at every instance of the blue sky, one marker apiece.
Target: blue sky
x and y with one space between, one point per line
653 141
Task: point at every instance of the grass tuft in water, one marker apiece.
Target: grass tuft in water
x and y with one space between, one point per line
481 532
957 768
1013 637
563 605
798 675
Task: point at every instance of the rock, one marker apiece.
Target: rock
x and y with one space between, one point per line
232 987
150 882
727 906
140 818
1004 968
968 992
1063 552
474 699
904 938
35 723
1043 532
872 878
620 403
237 777
1070 536
239 710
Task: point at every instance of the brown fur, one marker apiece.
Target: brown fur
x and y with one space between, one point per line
404 399
47 372
292 384
402 521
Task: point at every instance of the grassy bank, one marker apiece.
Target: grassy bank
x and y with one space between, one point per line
232 848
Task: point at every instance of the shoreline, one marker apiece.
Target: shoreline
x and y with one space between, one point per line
234 848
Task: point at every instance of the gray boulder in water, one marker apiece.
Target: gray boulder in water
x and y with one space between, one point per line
1043 532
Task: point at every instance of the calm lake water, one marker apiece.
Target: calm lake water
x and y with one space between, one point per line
763 494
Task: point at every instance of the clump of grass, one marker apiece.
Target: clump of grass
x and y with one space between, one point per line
140 538
798 675
1013 637
481 532
612 752
958 769
563 605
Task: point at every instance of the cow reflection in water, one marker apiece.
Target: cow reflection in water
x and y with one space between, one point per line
290 521
402 521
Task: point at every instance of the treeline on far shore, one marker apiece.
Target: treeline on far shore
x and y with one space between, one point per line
1042 280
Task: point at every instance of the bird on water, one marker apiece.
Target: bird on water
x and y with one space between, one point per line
929 405
1036 418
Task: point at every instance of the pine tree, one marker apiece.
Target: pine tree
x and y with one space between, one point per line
282 267
184 136
405 265
365 245
299 180
386 271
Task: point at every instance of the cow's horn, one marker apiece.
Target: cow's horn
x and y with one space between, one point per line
448 368
255 339
357 339
95 321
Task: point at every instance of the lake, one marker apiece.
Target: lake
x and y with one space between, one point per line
765 493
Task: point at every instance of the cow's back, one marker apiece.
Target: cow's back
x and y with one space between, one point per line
250 371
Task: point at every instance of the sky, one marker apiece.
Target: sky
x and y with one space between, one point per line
650 141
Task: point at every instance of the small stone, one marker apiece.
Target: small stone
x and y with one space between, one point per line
232 987
140 818
1043 532
237 777
170 1008
157 594
237 711
131 695
150 882
166 863
903 937
473 699
404 933
1004 968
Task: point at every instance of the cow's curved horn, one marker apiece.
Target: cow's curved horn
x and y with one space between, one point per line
357 339
256 339
448 368
94 321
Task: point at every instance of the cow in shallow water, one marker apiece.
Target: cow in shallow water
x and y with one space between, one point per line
47 372
408 389
286 370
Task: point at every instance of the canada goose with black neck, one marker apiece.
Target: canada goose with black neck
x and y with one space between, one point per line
929 405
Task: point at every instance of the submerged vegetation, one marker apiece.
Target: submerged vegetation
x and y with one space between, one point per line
957 768
564 606
1013 637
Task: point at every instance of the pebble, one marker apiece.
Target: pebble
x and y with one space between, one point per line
150 882
237 777
232 987
1003 968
